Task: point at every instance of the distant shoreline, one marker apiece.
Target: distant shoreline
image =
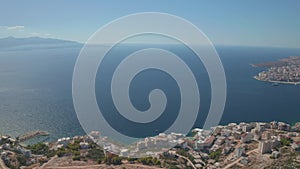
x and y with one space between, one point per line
279 82
288 68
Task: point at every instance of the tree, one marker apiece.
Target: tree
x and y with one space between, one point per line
149 161
116 161
76 158
22 160
285 142
107 160
74 147
131 160
95 154
182 152
39 148
50 153
155 161
61 152
215 154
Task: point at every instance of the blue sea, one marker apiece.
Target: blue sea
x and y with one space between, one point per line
36 88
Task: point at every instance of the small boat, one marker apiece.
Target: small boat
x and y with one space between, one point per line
275 84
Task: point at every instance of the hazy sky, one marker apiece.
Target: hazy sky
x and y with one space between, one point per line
232 22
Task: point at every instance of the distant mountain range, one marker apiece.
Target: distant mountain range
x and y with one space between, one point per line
12 43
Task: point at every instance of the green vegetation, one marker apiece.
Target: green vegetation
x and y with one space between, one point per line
61 152
15 157
131 160
39 148
215 154
285 142
116 160
185 153
182 152
50 153
145 160
22 160
149 161
93 145
156 161
76 158
95 154
74 147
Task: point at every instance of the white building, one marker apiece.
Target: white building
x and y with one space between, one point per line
296 146
239 152
124 153
237 135
64 140
141 145
95 134
200 144
265 147
266 135
256 134
247 128
84 145
220 140
226 132
217 130
246 137
149 142
275 154
161 142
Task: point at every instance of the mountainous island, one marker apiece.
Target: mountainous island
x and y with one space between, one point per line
13 43
285 70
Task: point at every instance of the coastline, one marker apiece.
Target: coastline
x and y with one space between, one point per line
253 65
279 82
82 152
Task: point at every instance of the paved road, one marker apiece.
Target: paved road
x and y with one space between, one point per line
96 166
45 164
100 166
2 165
238 160
187 160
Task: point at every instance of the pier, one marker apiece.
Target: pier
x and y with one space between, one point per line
31 135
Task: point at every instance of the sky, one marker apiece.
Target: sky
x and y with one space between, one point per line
233 22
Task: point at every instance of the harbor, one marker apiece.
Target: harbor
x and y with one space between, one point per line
31 135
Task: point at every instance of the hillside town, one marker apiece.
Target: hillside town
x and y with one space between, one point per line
243 145
285 74
283 71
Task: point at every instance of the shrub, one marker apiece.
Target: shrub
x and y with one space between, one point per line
76 158
39 148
